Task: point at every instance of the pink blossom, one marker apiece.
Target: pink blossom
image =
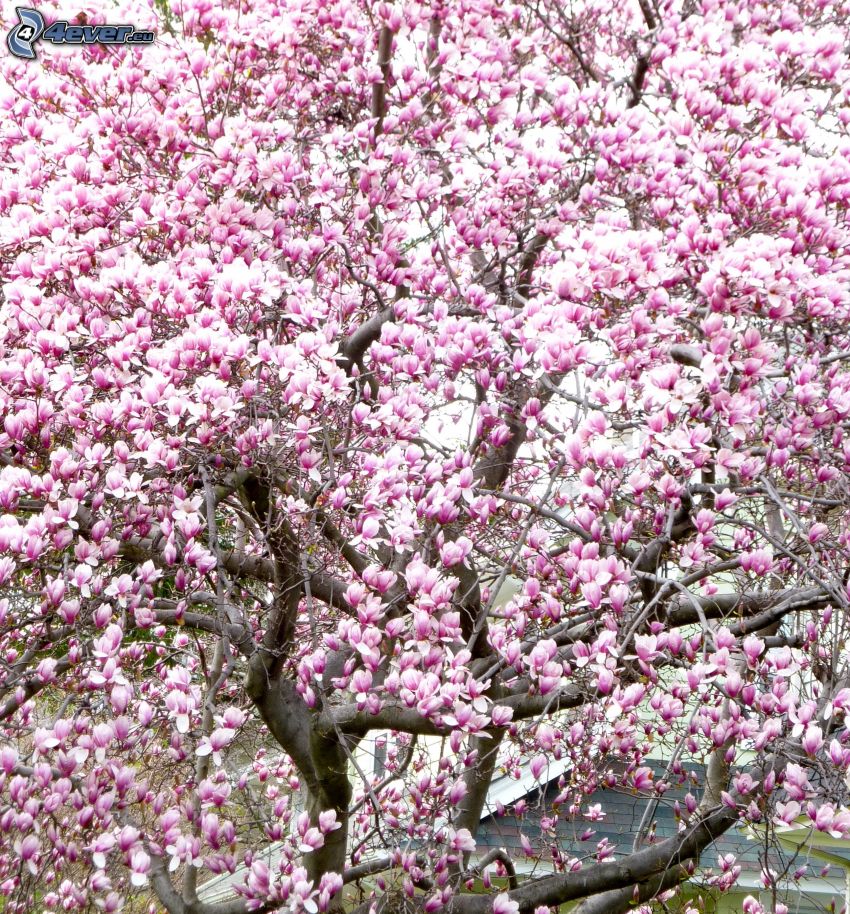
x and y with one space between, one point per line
504 904
758 561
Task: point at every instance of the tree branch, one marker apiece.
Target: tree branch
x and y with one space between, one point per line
501 855
758 608
379 89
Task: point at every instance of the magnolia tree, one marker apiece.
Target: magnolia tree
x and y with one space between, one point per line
472 375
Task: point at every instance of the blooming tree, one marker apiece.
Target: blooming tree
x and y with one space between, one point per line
471 374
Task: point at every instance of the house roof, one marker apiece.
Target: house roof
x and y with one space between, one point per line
508 789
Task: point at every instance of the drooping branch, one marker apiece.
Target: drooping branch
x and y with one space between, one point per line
500 855
758 609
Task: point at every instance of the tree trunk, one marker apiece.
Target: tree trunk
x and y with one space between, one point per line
321 760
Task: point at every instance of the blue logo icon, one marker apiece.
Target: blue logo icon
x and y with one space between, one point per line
31 28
